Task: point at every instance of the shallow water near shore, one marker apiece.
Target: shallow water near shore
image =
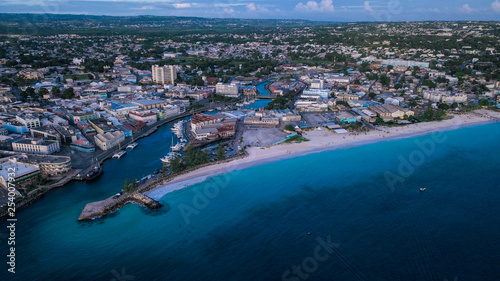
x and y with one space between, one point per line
253 224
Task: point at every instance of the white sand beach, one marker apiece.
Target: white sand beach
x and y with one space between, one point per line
322 140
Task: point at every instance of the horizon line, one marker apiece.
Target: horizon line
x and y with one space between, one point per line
231 18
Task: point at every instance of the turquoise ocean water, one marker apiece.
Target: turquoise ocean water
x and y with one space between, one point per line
253 224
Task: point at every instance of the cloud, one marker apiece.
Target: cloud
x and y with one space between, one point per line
367 6
228 11
313 6
251 7
496 6
182 5
466 9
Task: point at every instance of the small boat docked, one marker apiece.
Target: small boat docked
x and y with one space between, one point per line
94 172
119 154
178 147
169 157
132 145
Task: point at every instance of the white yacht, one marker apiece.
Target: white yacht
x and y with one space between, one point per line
178 147
169 157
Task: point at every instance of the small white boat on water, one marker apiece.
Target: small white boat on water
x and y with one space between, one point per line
132 145
422 189
169 157
178 147
119 154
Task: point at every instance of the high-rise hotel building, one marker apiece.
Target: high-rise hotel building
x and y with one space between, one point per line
164 74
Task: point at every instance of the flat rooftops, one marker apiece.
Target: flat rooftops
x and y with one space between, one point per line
37 159
20 169
83 113
38 142
148 102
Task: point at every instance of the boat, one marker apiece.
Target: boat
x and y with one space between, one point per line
211 110
169 157
119 154
176 147
132 145
422 189
94 172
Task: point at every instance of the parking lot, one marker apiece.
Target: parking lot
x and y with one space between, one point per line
262 136
318 118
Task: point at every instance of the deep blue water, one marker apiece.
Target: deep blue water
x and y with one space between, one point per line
254 223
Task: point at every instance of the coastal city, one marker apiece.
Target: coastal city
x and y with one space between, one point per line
72 101
80 93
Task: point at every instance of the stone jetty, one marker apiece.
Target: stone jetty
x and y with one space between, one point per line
113 203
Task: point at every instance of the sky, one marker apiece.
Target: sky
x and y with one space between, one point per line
323 10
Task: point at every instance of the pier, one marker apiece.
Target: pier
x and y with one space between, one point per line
113 203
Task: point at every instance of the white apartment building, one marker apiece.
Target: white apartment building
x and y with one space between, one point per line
164 74
228 90
38 146
29 121
444 97
109 140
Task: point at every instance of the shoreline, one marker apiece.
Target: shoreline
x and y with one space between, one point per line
320 141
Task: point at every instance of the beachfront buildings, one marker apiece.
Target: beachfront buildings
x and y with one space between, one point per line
445 97
164 74
311 103
390 112
347 117
37 146
228 90
200 120
109 140
223 129
204 126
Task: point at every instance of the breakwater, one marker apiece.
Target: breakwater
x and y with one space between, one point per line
101 208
